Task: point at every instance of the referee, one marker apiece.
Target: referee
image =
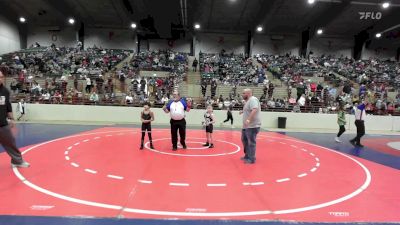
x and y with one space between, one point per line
176 108
6 138
360 115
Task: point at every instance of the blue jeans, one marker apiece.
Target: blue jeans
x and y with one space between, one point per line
249 140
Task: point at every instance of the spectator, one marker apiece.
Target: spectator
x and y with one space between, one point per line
271 90
45 97
88 88
57 97
36 89
135 86
300 91
164 99
213 87
203 87
302 101
142 85
94 97
194 65
129 99
220 99
21 108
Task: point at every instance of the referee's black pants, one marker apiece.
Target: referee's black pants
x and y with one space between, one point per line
178 125
360 131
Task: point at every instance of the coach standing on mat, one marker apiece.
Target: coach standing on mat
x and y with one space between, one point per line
176 108
251 125
6 137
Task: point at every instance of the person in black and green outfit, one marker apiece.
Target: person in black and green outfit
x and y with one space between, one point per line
341 120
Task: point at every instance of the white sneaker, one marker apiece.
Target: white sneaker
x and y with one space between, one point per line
338 140
21 165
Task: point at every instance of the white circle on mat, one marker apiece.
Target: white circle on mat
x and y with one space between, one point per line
196 214
193 155
394 145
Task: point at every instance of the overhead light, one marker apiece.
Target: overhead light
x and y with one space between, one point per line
71 21
133 25
259 28
319 31
197 26
311 1
378 35
22 19
385 5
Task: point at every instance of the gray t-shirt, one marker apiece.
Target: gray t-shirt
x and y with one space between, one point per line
251 104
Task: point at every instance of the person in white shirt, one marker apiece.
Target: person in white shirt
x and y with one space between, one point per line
88 85
94 97
21 108
164 99
176 108
302 100
360 117
46 96
129 99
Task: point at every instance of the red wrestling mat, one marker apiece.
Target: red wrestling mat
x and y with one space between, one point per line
102 173
389 146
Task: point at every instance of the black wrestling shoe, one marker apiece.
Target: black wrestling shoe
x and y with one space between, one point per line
353 142
151 146
206 144
184 146
211 146
248 161
174 148
360 145
141 147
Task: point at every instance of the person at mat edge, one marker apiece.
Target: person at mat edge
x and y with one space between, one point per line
341 121
360 115
251 125
176 108
21 108
146 116
208 122
7 139
229 115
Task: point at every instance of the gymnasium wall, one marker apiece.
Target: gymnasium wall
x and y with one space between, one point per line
214 43
276 45
110 114
9 36
382 53
177 45
332 46
65 37
110 38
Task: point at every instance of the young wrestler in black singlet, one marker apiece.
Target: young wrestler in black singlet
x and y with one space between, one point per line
147 116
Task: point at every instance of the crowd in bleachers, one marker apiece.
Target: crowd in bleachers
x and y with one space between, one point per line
231 69
167 60
40 72
374 79
77 76
141 89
